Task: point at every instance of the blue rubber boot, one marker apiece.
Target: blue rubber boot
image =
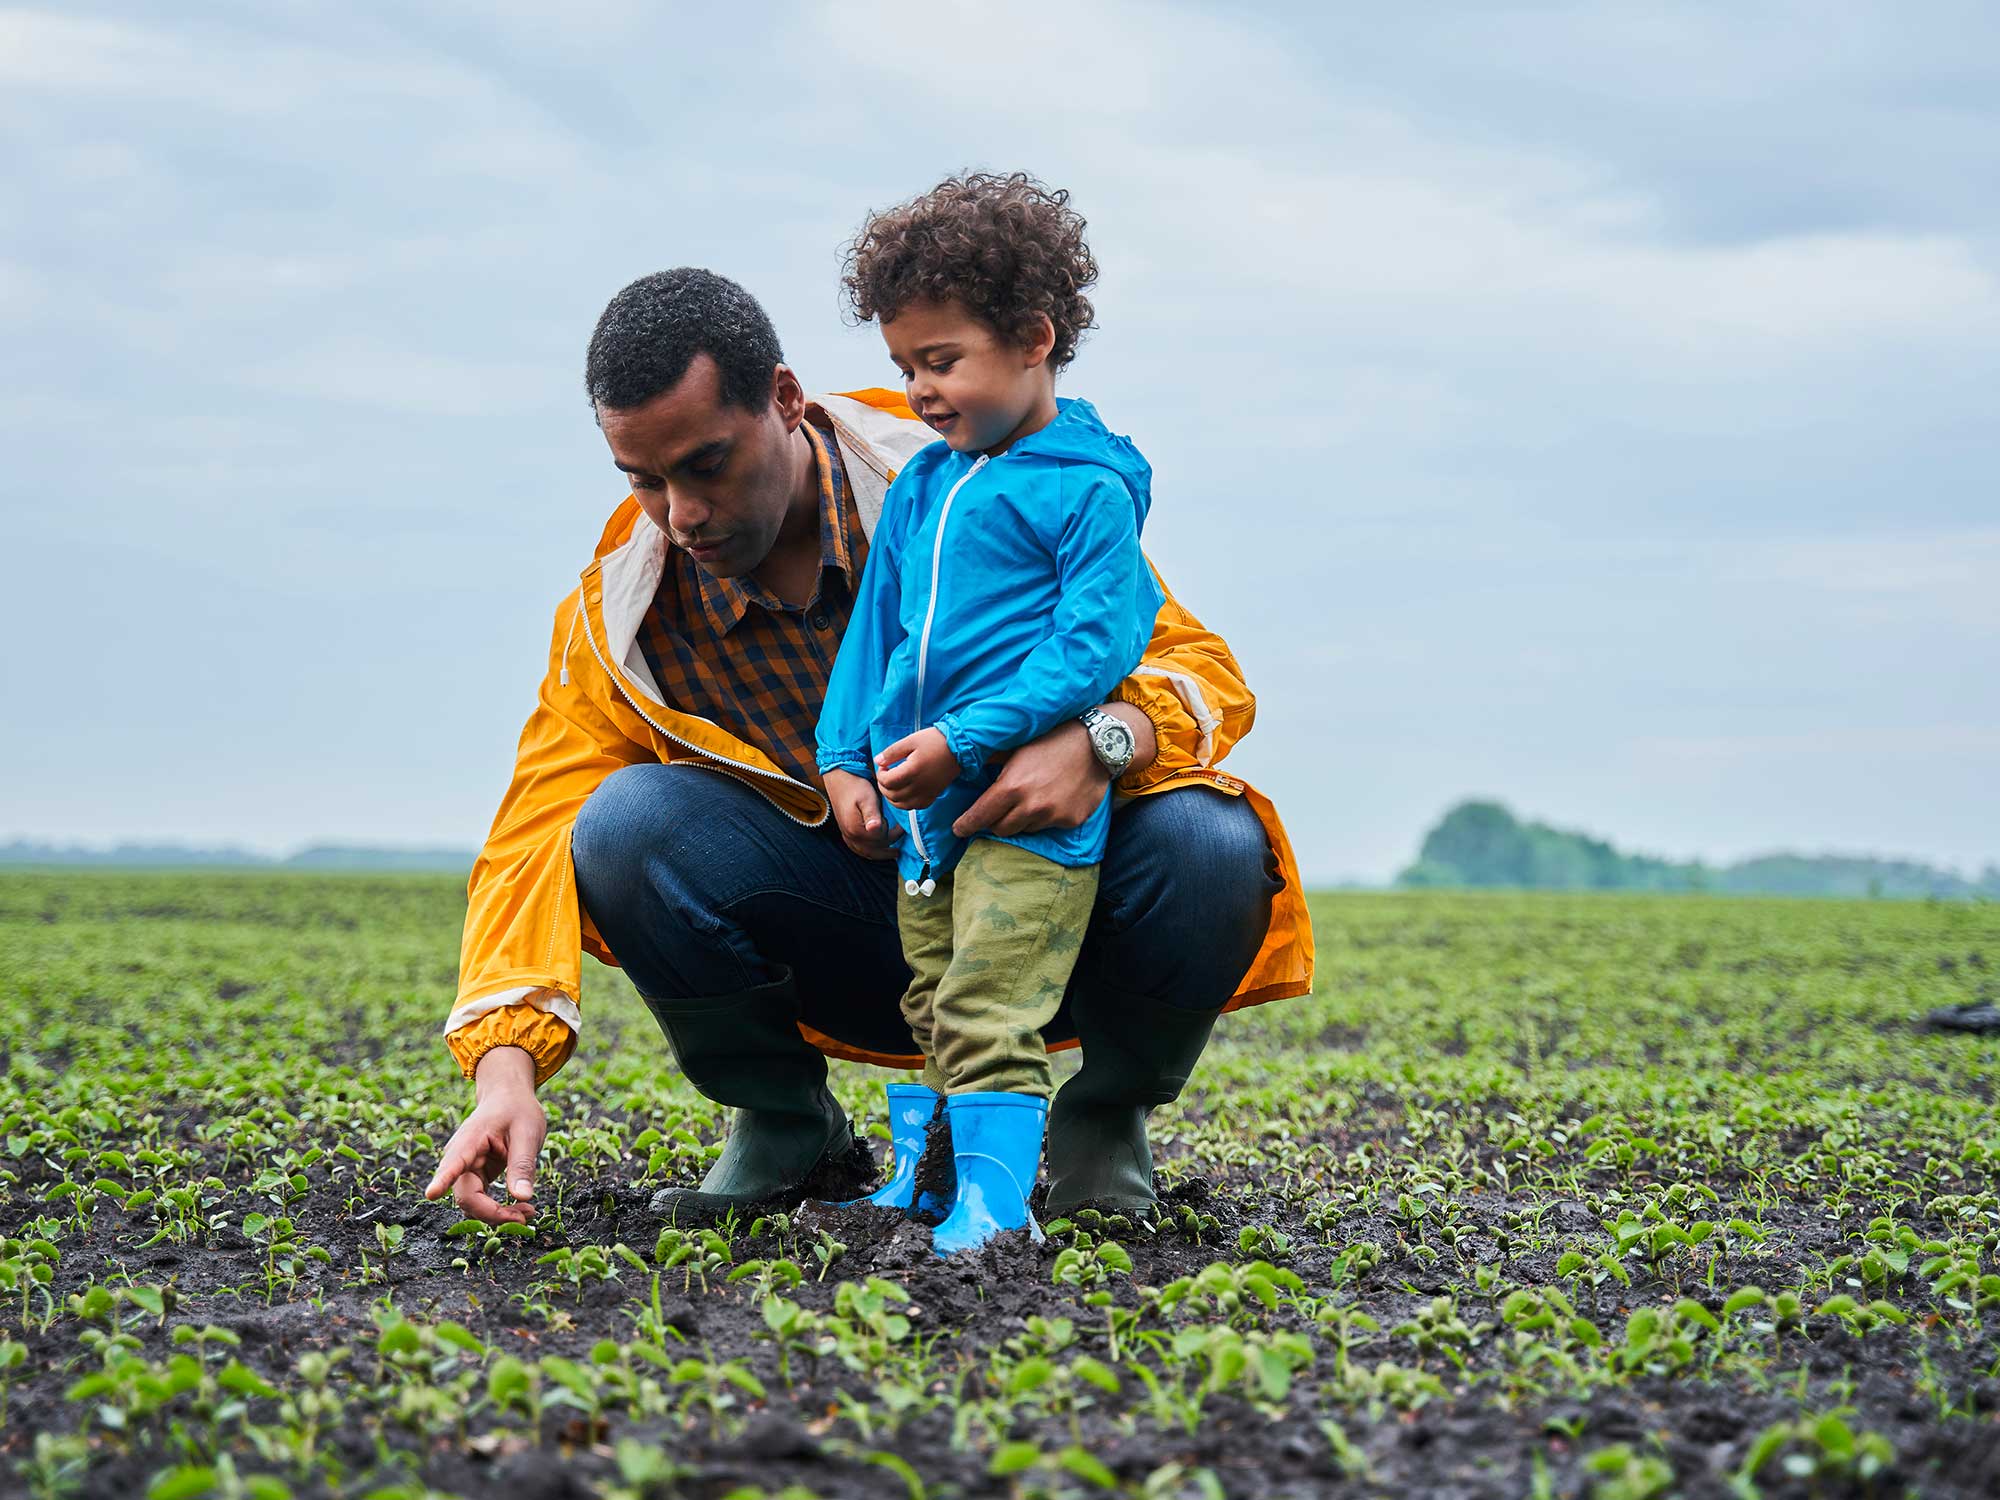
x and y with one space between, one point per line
996 1148
911 1106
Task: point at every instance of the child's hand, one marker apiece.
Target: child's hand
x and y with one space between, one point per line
859 815
915 769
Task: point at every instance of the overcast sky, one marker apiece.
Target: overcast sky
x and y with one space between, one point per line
1590 406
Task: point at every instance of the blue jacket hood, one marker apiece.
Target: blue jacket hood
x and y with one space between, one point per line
1079 435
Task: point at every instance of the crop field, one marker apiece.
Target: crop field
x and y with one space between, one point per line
1537 1196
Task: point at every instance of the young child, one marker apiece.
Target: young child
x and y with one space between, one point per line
1004 594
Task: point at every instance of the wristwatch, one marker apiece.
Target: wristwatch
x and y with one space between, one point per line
1110 740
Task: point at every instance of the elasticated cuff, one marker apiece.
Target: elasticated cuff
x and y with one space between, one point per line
1169 760
546 1038
970 757
854 762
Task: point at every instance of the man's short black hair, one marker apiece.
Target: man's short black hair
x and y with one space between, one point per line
651 332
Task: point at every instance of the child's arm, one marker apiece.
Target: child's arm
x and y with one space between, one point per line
1103 620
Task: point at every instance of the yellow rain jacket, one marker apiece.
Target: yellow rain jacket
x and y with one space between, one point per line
520 968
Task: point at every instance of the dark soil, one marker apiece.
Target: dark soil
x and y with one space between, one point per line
1468 1447
1749 1039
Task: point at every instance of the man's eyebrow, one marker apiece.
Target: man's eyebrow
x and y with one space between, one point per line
713 449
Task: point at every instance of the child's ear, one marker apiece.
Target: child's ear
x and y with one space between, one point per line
1039 342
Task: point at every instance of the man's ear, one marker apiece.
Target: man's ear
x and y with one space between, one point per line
789 397
1039 341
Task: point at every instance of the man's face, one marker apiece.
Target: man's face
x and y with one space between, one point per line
716 479
968 383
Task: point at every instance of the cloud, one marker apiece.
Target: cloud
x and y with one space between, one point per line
1919 745
1253 181
21 287
402 378
331 101
1522 382
211 273
1953 574
211 68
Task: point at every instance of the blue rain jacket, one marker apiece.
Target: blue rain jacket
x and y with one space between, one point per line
1001 597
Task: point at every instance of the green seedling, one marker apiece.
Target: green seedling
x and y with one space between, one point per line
1823 1450
582 1264
1618 1473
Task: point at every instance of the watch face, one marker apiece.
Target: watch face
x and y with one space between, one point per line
1114 742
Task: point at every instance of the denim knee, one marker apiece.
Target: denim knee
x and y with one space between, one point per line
1186 897
650 876
607 845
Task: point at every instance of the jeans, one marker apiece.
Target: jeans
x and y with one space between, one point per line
700 886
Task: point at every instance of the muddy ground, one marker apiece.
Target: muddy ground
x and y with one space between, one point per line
1454 1449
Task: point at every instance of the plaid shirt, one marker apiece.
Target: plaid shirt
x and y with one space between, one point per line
730 651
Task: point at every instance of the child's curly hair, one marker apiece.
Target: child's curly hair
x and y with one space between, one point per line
1008 248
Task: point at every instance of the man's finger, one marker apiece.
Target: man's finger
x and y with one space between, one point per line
447 1170
473 1200
979 817
1016 819
460 1156
1021 814
521 1167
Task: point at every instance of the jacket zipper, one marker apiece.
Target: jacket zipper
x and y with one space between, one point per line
618 682
923 885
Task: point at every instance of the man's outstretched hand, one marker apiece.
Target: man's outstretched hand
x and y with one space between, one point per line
503 1133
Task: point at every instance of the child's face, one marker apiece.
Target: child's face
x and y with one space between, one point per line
974 388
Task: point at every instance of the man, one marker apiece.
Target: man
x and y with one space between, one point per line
665 814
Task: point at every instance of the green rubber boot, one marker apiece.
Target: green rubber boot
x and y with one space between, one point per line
788 1138
1137 1055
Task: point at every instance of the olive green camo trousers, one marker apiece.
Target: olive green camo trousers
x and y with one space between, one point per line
990 954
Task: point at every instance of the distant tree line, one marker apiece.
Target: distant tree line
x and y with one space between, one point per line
1483 844
22 852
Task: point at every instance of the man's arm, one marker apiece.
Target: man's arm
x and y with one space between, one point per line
520 965
1186 704
1189 686
519 970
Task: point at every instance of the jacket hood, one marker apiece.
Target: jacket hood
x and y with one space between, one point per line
1079 435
